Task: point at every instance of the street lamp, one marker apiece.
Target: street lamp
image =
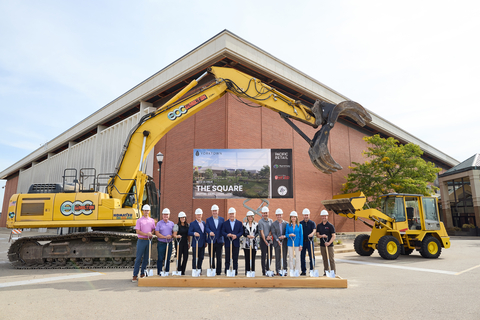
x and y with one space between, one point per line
159 160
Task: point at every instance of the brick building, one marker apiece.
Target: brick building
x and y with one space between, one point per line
225 124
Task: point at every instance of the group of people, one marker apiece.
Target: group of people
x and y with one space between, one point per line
291 238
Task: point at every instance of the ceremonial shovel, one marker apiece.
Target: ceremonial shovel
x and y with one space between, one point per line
149 270
314 272
329 273
282 271
211 272
294 272
231 272
196 272
269 273
165 273
176 272
250 274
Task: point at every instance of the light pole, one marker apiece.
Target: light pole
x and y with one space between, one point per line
159 160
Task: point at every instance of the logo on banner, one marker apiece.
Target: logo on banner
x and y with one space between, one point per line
282 190
77 208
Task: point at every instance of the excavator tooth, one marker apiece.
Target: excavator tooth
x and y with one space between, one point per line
319 153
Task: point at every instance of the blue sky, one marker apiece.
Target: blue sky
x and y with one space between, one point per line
414 63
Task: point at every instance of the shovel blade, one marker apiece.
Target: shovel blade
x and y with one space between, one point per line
164 274
176 273
283 273
250 274
269 273
294 273
149 273
196 273
313 273
230 273
330 274
211 273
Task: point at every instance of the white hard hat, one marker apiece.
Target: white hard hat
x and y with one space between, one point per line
279 211
166 211
265 209
232 210
214 207
146 207
198 211
250 213
306 211
293 214
324 213
182 214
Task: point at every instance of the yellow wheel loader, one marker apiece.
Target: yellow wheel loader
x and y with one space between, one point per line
408 222
78 202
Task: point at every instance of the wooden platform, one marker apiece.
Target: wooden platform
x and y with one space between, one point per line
242 282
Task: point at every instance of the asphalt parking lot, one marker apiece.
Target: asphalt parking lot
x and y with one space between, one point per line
410 287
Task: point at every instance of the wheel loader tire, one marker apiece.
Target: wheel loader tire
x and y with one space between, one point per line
361 245
388 247
431 248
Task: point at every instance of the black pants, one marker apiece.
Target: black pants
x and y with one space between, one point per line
201 254
182 256
246 253
303 255
217 256
264 259
235 251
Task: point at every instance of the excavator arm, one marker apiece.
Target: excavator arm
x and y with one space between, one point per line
153 126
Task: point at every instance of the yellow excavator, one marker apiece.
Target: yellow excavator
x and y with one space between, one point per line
408 222
79 203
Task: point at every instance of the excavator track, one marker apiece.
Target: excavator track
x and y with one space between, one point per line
81 250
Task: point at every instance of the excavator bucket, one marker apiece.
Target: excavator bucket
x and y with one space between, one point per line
326 115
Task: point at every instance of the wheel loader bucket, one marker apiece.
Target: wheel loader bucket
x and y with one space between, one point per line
346 204
318 152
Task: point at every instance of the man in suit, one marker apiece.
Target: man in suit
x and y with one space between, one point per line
214 226
278 234
197 231
232 230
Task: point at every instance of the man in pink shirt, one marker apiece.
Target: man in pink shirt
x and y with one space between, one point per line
145 225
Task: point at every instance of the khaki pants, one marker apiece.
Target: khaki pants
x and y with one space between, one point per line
331 255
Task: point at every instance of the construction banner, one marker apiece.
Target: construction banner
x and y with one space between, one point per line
242 173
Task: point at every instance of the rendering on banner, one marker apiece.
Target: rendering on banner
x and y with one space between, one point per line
242 173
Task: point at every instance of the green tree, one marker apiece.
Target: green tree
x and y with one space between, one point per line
391 168
209 174
265 171
225 173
